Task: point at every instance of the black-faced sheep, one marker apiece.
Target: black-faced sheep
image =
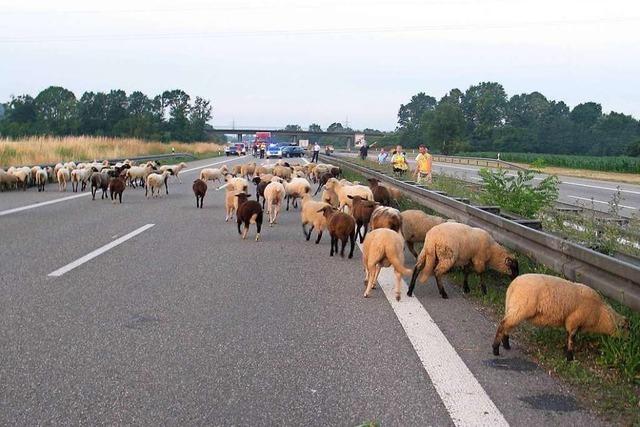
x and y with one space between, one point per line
199 190
383 248
380 193
551 301
249 212
341 227
452 244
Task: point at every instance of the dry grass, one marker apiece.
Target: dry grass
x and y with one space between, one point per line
44 150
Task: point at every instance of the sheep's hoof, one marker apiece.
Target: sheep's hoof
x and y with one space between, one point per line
505 343
257 237
444 295
366 295
398 297
496 350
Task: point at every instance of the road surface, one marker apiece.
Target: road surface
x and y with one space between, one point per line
155 312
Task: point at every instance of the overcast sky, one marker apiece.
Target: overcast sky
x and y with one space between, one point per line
271 63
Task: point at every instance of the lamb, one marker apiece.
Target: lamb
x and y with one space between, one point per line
343 191
213 174
386 217
380 193
415 225
199 190
274 194
116 188
63 175
551 301
249 212
362 210
452 244
297 187
341 227
312 213
99 180
263 169
56 168
156 180
383 248
230 203
41 179
175 169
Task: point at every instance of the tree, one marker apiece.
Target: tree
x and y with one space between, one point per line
178 103
335 127
409 114
92 113
633 149
199 115
444 127
314 127
586 114
19 117
56 111
292 128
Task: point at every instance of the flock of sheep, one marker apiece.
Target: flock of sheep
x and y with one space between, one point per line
350 211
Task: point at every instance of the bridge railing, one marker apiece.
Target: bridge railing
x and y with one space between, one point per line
615 278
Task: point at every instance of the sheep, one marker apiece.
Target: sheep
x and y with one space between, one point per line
343 191
311 213
341 227
248 169
99 180
362 210
380 193
138 172
8 180
386 217
199 190
175 169
260 186
56 168
249 212
230 203
383 248
452 244
156 180
263 169
551 301
274 193
330 197
323 180
297 187
116 188
41 179
415 225
213 174
79 176
283 172
63 175
22 174
237 169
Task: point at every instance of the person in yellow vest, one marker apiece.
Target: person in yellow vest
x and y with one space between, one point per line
399 161
423 166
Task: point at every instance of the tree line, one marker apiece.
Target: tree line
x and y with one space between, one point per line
484 118
56 111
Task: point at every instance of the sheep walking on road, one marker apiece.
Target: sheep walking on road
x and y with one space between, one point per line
249 212
341 227
199 190
383 248
116 188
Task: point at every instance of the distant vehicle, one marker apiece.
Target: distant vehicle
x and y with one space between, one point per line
235 150
274 150
292 151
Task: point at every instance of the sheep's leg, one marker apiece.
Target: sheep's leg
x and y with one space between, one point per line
412 249
373 271
501 336
307 235
366 228
239 226
288 203
319 236
120 197
352 238
258 226
398 283
343 240
358 226
333 243
483 287
416 270
570 342
443 293
465 285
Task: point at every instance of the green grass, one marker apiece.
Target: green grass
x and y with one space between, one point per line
607 164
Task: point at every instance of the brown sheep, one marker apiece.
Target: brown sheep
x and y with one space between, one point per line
383 248
380 193
98 181
386 217
551 301
249 212
362 210
199 190
341 227
116 188
452 244
415 225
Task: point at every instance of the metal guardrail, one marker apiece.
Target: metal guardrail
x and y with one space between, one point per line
616 279
138 158
476 161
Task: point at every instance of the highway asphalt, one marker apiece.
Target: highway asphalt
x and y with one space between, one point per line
588 193
185 323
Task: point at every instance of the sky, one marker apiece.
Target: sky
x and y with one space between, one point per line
276 62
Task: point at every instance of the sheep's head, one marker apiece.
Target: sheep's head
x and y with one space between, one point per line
256 180
327 211
373 182
620 324
331 184
242 197
512 265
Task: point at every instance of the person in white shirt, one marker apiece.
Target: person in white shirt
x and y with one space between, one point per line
316 151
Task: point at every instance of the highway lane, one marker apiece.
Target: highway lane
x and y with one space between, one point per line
186 323
589 193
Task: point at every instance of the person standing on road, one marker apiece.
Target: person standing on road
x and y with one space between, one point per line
399 161
364 150
423 166
316 151
382 157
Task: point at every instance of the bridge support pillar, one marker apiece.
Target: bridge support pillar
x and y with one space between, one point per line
239 137
349 140
294 139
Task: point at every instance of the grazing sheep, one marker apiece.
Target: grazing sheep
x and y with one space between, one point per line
551 301
297 187
452 244
249 212
175 169
343 191
274 194
415 225
312 213
156 181
386 217
383 248
8 180
362 210
199 189
380 193
116 188
23 175
341 227
213 174
63 175
41 179
98 180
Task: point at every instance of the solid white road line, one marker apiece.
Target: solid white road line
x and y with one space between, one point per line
599 201
210 164
38 205
91 255
600 188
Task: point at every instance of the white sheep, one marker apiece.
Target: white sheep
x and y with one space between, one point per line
415 225
155 181
383 248
213 174
63 176
175 169
311 213
136 172
551 301
41 179
295 188
344 191
274 193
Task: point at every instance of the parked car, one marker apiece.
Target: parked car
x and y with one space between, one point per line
292 151
274 150
231 150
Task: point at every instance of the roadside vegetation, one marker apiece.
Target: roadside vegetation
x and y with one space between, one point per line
45 150
605 375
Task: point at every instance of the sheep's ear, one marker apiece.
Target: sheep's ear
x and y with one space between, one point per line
322 210
350 196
